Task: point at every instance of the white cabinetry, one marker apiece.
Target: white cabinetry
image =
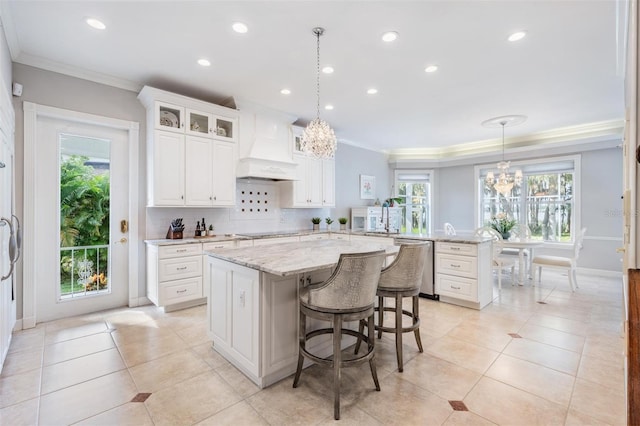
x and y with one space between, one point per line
174 274
315 184
463 274
191 149
234 309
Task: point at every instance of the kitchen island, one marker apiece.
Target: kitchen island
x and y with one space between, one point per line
252 293
252 307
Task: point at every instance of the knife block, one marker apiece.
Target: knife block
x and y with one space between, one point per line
174 235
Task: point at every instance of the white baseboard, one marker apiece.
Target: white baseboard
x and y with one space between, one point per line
18 325
139 301
28 322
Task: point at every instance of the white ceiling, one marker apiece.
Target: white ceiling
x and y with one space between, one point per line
568 71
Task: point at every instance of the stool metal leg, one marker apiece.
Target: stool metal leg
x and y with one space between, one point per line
416 317
399 331
337 360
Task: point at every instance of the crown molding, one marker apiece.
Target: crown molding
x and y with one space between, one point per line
602 131
73 71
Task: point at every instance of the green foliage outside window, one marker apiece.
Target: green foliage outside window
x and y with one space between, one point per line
84 216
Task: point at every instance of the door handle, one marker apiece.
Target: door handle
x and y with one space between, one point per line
123 240
621 250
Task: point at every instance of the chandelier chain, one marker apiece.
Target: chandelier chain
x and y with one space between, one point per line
318 32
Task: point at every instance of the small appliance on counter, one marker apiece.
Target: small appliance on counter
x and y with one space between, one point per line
175 229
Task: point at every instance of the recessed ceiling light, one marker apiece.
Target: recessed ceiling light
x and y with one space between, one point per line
389 36
98 25
372 91
204 62
517 36
285 91
239 27
431 68
328 107
328 69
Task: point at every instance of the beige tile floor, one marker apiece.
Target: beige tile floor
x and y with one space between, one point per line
565 368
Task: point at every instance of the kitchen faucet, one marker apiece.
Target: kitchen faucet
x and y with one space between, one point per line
386 226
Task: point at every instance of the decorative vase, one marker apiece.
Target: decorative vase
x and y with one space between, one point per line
506 235
343 226
316 226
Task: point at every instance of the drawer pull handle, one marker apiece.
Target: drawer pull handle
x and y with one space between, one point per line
218 246
455 288
181 250
181 291
182 268
455 248
454 266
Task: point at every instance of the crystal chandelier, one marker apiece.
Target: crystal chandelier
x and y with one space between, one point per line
318 138
504 183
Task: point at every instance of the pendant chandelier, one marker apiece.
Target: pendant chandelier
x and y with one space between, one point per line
504 183
318 138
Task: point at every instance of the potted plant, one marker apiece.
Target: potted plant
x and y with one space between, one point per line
343 223
329 221
503 224
316 223
210 232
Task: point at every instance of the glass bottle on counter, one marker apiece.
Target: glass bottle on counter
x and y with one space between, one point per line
198 230
203 229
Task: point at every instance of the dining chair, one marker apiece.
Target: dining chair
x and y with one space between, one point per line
523 232
449 229
568 263
347 295
498 261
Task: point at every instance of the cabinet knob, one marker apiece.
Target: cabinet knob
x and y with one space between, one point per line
182 197
215 198
211 198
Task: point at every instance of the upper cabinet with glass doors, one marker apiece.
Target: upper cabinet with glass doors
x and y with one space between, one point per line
191 150
194 122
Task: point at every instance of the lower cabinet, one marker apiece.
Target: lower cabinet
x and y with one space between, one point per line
463 274
174 274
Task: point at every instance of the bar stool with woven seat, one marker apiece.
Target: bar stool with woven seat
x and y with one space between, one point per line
347 295
401 279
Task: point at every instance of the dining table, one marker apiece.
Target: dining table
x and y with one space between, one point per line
522 244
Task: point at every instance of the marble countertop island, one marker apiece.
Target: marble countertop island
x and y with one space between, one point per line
296 258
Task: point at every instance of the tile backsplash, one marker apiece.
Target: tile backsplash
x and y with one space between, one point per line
257 210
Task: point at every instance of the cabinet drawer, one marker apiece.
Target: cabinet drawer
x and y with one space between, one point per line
180 291
344 237
244 243
166 252
460 288
181 267
457 248
464 266
219 244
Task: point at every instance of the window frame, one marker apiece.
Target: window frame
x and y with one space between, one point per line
431 193
480 170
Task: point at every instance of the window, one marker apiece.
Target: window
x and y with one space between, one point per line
546 200
413 187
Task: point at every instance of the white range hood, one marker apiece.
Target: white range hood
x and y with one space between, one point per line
265 148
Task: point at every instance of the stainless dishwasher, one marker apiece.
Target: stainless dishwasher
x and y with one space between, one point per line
427 289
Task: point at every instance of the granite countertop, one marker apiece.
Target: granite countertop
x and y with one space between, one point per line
466 239
212 239
308 256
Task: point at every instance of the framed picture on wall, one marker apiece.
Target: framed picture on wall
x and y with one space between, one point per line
367 187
